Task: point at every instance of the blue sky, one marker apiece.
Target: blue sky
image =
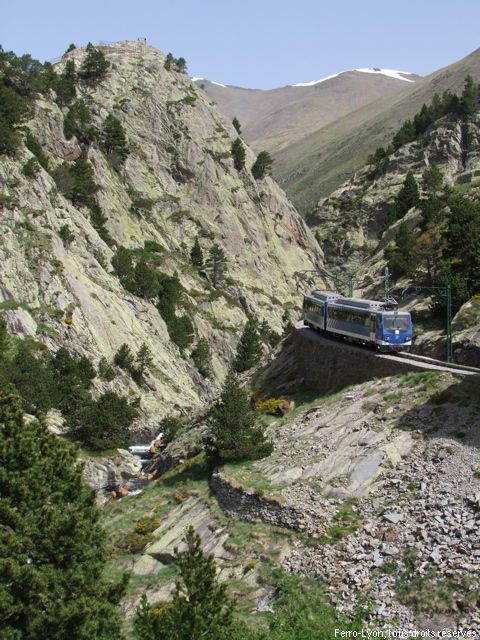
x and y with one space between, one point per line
257 43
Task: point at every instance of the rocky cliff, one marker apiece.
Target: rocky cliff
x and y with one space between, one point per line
180 167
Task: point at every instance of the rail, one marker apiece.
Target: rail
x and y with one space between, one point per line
438 363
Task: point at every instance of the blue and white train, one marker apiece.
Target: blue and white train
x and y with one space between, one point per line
356 320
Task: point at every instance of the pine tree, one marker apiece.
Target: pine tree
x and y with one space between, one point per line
124 358
201 607
234 435
196 254
104 423
4 339
94 66
468 100
237 126
249 348
78 123
53 549
216 264
65 85
201 357
114 140
169 60
398 256
122 263
144 360
181 65
432 178
262 165
238 153
145 281
408 195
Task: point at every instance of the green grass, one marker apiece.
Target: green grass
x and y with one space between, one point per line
434 594
247 475
346 522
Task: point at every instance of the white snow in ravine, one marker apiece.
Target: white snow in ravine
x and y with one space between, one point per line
391 73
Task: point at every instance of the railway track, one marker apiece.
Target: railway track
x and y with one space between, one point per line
431 362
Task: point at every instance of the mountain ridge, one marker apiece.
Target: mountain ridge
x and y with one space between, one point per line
272 119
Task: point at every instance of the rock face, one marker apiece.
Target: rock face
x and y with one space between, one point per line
180 162
349 219
113 472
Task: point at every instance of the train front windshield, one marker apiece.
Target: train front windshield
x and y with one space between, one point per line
399 323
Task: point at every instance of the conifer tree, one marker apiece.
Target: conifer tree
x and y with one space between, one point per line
124 358
122 263
238 153
399 256
94 66
78 123
144 361
114 140
201 607
237 125
249 348
145 281
432 178
169 60
262 165
104 423
201 357
196 254
53 551
234 435
65 84
468 100
216 264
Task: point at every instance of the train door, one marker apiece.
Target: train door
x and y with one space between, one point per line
372 327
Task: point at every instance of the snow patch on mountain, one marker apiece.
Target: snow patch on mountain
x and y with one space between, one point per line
391 73
219 84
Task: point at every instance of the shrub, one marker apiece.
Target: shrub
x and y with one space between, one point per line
66 234
31 168
170 427
269 406
103 423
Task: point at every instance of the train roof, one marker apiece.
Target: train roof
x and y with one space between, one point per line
335 298
324 295
360 303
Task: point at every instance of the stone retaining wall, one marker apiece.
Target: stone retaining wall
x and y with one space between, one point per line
245 504
326 364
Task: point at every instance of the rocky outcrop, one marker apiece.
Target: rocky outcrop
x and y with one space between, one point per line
111 473
349 219
66 293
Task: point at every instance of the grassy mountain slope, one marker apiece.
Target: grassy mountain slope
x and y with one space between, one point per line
312 167
276 119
